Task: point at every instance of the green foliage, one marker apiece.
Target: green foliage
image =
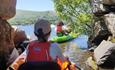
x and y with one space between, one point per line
30 17
76 12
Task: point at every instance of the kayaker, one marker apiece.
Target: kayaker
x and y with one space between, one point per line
59 28
19 39
42 50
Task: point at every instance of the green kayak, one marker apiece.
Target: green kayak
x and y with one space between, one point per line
65 38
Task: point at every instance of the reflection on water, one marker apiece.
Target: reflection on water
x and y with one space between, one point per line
73 50
76 54
81 41
70 50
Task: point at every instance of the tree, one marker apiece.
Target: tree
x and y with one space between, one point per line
76 12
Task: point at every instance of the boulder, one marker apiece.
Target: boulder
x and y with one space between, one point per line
6 43
98 8
104 54
108 2
102 7
99 33
110 22
7 9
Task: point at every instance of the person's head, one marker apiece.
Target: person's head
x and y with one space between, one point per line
59 23
42 29
18 35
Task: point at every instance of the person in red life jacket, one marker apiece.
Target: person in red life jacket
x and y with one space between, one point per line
41 50
59 28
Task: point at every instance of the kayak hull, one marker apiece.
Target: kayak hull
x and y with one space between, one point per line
65 38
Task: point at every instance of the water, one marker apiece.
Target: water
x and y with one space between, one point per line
80 41
29 29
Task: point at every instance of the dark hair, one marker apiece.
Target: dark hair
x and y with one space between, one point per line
40 35
59 23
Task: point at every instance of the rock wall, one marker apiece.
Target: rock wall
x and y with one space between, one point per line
104 25
7 8
7 11
110 22
100 33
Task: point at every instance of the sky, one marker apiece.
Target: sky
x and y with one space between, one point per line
35 5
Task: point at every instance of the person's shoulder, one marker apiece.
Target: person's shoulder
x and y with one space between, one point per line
32 42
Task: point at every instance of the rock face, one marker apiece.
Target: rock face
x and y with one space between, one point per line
108 2
104 29
104 54
110 22
104 25
100 33
7 8
6 43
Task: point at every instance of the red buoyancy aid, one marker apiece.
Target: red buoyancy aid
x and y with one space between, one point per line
59 29
38 51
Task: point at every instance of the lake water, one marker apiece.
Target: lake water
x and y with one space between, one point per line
81 41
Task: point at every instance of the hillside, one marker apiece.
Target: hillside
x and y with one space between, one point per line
29 17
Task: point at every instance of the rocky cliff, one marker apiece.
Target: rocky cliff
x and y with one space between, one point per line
7 11
104 24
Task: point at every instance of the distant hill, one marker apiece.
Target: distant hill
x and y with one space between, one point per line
29 17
